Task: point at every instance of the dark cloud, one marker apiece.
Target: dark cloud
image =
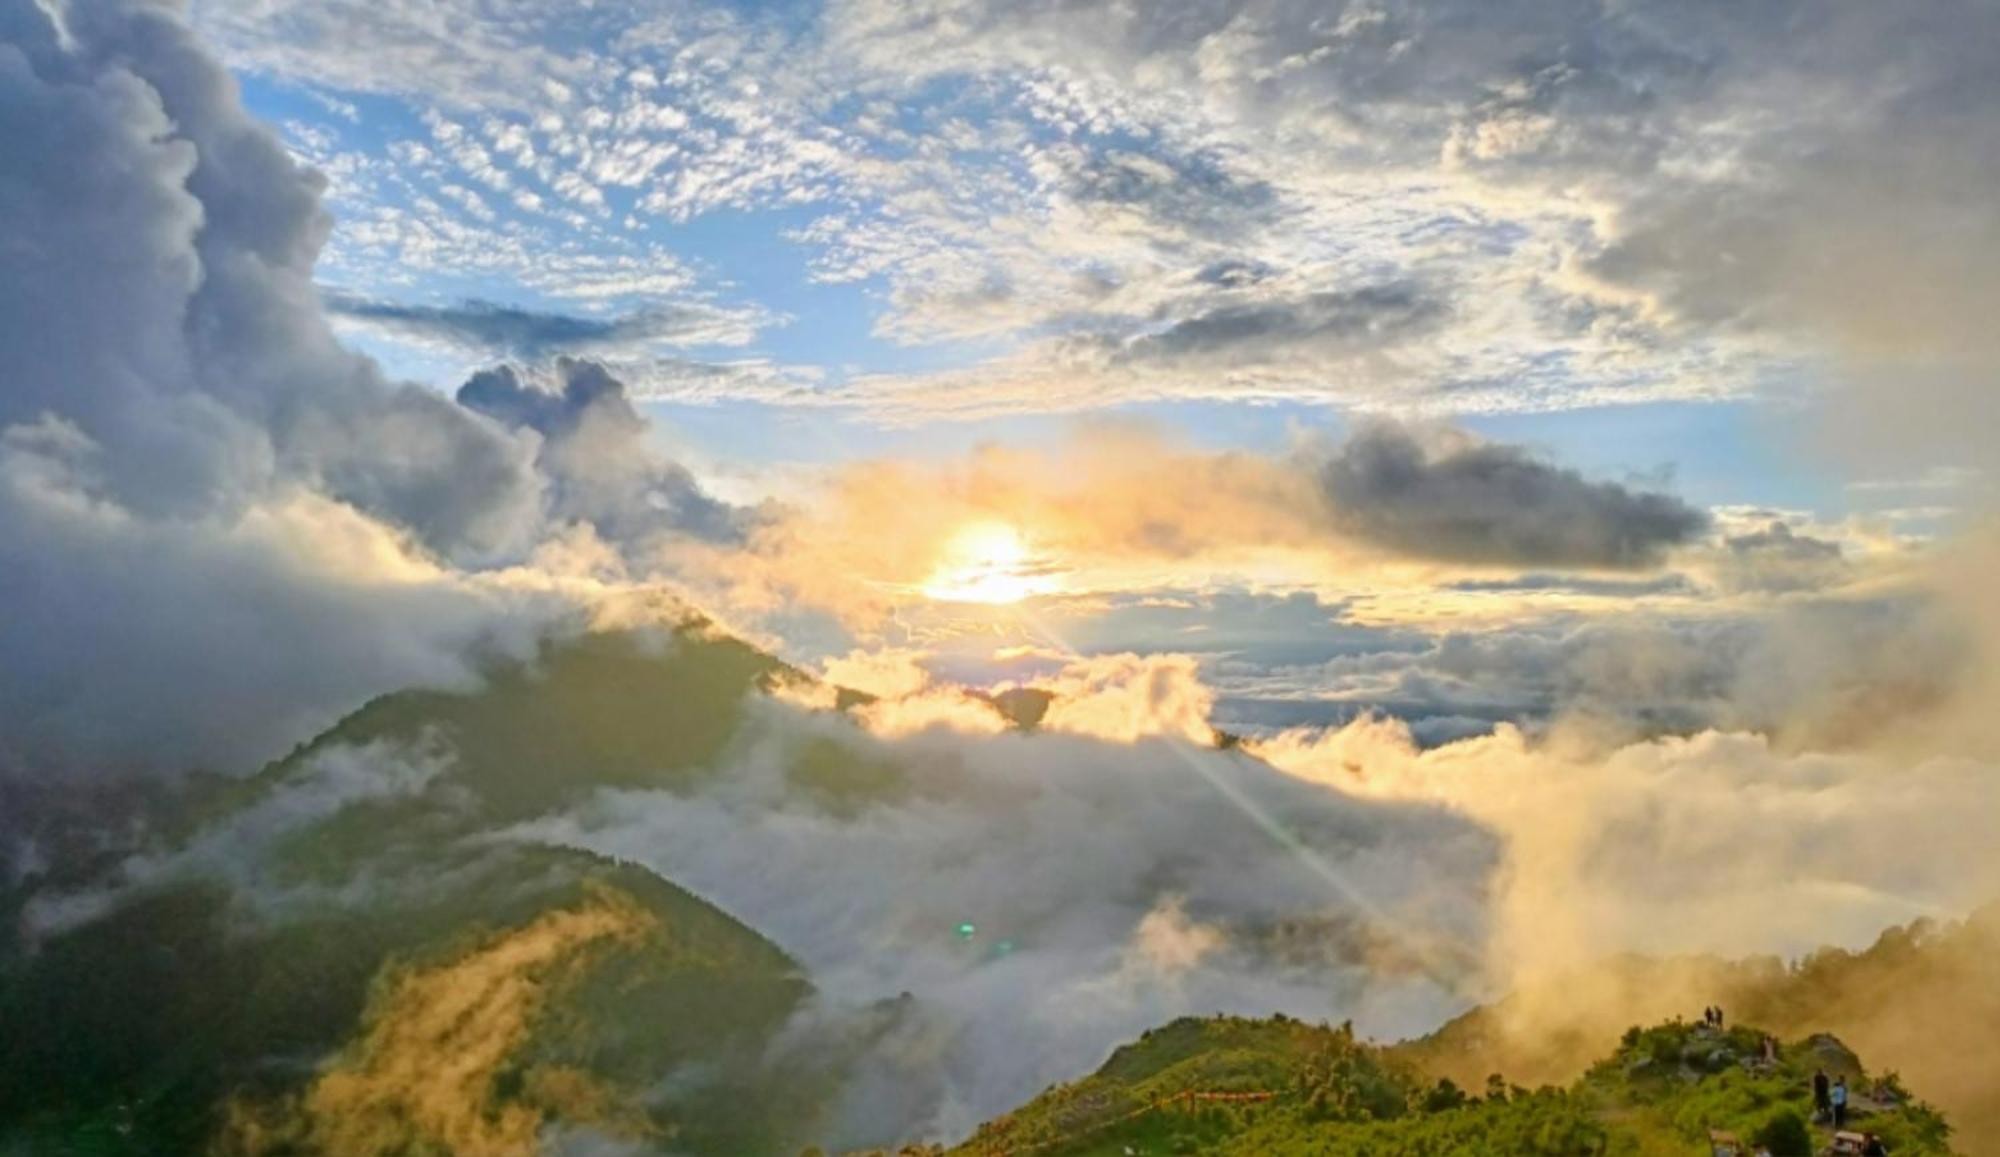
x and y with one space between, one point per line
1572 584
1355 321
1191 193
1455 499
510 331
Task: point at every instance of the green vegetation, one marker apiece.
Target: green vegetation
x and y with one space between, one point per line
1922 1001
1325 1093
604 710
138 1031
245 1000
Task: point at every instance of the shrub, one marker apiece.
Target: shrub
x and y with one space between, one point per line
1785 1134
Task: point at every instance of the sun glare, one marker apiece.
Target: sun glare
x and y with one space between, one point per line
989 562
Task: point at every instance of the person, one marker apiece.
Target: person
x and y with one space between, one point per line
1718 1016
1839 1097
1822 1097
1873 1147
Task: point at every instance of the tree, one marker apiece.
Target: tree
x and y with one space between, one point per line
1446 1095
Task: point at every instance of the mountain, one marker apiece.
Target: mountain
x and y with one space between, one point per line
1923 1000
348 953
335 955
1276 1088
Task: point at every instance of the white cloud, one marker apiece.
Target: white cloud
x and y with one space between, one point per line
1042 897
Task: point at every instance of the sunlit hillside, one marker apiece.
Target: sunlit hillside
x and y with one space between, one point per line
1226 1085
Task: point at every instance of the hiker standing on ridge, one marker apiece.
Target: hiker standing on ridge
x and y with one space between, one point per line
1822 1099
1839 1102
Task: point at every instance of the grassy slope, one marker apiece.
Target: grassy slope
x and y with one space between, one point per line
1658 1093
1923 1001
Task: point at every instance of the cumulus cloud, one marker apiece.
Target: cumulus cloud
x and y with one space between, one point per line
144 643
595 455
1126 698
219 528
1707 843
1462 500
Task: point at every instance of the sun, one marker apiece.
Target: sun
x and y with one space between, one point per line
989 562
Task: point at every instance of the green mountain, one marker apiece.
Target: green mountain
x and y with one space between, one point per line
1923 1000
344 954
1277 1087
268 975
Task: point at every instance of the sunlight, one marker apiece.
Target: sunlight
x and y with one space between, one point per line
989 562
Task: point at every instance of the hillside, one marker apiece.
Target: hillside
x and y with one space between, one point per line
343 954
1923 1000
244 976
1277 1087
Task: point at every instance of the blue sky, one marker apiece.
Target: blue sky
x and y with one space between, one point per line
844 228
913 274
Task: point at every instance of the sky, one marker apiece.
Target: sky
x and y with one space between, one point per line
1310 342
816 233
820 242
1531 463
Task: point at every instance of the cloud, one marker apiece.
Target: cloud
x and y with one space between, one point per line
1708 843
1125 698
389 1089
1041 896
239 848
1365 320
490 330
1116 507
1778 559
1820 673
1656 202
1460 500
595 455
152 643
219 528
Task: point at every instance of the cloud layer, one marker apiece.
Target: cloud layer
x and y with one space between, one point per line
1043 896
